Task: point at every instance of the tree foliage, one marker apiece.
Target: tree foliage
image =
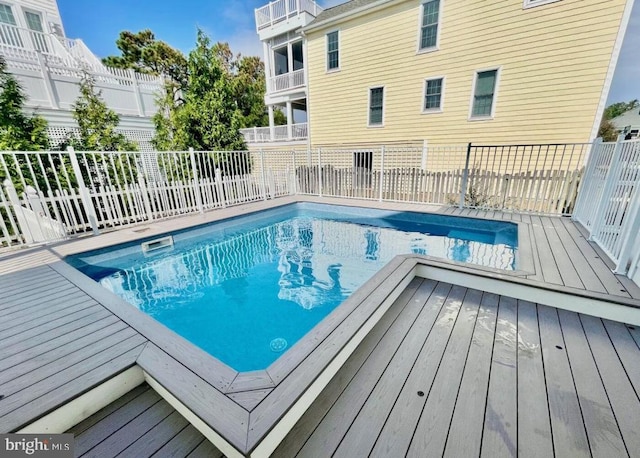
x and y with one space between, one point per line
97 123
144 54
18 131
616 109
607 131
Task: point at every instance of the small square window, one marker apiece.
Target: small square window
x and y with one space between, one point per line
429 24
484 94
333 52
433 89
376 106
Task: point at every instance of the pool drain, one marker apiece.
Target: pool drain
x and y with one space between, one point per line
278 344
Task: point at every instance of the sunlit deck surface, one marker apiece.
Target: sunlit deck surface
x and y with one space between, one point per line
448 369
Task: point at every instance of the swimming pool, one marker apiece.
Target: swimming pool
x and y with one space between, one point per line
247 289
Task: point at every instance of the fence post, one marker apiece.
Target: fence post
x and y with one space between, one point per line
465 177
586 180
264 178
612 173
220 188
87 202
46 76
423 159
196 180
136 92
293 189
145 196
380 198
319 172
629 234
21 219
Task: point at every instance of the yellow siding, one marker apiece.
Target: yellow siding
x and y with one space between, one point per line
553 59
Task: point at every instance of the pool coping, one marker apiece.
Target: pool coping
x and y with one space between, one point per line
243 408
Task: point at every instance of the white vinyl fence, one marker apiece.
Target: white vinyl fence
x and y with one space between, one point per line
609 203
51 195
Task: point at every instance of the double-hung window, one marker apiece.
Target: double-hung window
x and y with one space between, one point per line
333 51
433 90
429 24
484 94
376 106
8 35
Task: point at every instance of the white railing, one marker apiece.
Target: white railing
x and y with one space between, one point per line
92 191
275 134
279 10
286 81
18 37
609 201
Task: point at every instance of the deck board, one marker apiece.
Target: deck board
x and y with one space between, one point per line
495 384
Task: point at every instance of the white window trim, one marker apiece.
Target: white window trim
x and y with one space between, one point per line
424 95
384 104
437 46
526 4
498 70
326 52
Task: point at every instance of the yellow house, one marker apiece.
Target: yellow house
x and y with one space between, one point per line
450 71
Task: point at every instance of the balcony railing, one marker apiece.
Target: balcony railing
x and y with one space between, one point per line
280 10
276 133
286 81
17 37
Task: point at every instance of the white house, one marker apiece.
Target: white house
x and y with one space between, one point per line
629 123
49 66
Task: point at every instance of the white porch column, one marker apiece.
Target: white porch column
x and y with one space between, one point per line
271 122
267 64
289 120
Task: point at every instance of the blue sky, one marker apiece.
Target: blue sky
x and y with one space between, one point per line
98 23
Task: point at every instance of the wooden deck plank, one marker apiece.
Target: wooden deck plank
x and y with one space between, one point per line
567 425
626 348
608 280
534 423
32 371
136 429
152 441
52 328
32 294
466 429
58 313
537 275
182 444
23 352
101 414
397 432
431 432
599 421
623 398
34 304
499 437
41 308
564 263
28 404
108 425
386 326
550 271
585 271
372 415
43 280
340 416
17 281
206 450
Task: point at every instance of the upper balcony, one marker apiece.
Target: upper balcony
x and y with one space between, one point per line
286 82
280 16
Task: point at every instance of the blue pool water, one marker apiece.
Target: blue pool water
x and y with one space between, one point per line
247 289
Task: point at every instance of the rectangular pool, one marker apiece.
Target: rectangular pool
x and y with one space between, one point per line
248 288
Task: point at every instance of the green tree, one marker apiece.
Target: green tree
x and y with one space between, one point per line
97 123
607 131
144 54
616 109
18 131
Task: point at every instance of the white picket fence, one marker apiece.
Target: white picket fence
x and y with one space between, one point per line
609 203
94 191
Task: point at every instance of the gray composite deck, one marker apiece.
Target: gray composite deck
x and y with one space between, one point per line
140 424
452 371
61 335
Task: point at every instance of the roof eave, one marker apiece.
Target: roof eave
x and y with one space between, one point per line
371 7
